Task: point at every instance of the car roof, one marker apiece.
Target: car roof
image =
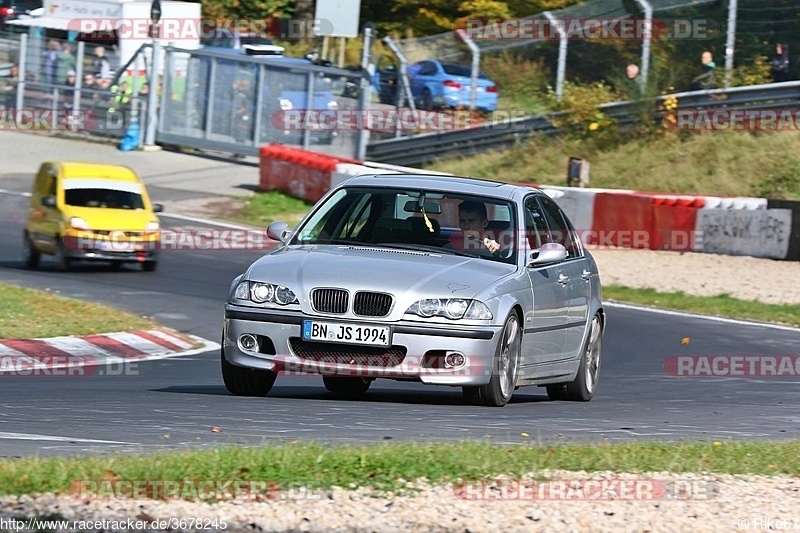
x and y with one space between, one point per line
240 55
76 169
456 184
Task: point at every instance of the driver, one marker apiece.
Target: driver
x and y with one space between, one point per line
473 219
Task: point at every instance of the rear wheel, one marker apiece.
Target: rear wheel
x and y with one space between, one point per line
246 381
32 255
426 100
501 386
582 388
347 387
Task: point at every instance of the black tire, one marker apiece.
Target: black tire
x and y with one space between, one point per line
347 387
505 368
246 381
64 260
32 255
426 100
582 388
149 266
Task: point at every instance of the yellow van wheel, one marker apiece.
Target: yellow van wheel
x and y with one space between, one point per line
32 255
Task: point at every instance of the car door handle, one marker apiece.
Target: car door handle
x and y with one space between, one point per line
586 275
562 279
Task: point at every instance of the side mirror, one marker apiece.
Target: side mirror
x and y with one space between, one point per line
279 231
551 252
49 201
158 208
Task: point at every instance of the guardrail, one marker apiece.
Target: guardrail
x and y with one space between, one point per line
426 147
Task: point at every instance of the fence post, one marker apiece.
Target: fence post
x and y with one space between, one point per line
22 68
476 66
212 77
76 96
730 43
365 96
152 114
646 39
402 79
309 109
562 53
259 106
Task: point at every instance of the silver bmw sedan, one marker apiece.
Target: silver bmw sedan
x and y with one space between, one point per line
434 279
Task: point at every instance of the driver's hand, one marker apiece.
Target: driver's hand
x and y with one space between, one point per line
491 245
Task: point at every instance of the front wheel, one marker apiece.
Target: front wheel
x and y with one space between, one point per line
64 260
582 388
505 369
246 381
32 255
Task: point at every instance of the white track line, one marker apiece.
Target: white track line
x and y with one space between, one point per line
53 438
701 317
15 193
209 222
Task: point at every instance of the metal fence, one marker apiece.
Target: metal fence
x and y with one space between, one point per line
234 103
66 83
429 147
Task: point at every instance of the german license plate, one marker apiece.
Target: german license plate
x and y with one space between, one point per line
347 333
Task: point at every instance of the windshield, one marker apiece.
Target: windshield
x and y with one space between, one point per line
107 198
414 219
461 70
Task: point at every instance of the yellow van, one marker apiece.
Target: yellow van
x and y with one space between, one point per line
93 212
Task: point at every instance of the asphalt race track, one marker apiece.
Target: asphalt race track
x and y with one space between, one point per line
174 403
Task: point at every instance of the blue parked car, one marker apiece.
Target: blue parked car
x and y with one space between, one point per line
436 84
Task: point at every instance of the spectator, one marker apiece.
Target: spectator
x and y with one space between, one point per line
65 63
8 88
122 100
633 87
780 65
69 94
50 62
242 105
705 80
101 68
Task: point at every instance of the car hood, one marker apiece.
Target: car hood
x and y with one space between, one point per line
409 276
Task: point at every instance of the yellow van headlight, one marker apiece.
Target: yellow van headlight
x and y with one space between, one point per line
78 223
151 227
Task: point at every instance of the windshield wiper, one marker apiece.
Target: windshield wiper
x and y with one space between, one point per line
426 248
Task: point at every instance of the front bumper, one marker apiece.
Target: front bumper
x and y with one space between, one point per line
422 349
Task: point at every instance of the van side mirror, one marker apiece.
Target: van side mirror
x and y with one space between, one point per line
158 208
48 201
279 231
549 253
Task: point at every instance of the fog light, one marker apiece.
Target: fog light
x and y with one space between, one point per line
248 343
454 359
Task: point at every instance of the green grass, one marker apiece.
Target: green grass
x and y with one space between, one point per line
713 163
266 207
381 466
721 305
26 313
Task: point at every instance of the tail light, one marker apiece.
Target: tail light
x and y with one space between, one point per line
453 84
491 89
6 10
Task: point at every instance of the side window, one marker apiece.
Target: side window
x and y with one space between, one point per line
427 69
560 229
535 226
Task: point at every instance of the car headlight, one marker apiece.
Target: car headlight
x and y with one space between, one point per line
151 227
333 104
286 105
265 293
78 223
452 308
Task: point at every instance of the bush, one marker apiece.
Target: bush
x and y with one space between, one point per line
580 103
